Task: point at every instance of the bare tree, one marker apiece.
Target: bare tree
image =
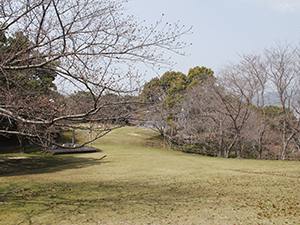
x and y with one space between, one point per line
283 71
254 70
217 114
236 100
153 114
203 120
278 70
88 45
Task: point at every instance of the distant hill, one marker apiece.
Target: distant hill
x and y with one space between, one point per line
271 98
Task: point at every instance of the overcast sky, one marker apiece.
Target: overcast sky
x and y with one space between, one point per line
222 29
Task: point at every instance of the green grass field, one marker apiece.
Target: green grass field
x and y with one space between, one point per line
141 184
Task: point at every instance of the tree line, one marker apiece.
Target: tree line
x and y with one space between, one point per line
230 115
92 49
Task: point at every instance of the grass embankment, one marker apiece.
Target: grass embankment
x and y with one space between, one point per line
138 184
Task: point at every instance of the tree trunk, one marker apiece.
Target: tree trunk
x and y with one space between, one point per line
260 143
239 151
220 150
226 153
285 142
283 152
228 150
21 143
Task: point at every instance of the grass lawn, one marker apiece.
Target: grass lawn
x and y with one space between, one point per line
138 183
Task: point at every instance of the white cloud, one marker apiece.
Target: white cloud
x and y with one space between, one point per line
282 6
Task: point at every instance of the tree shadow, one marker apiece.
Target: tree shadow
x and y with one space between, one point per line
157 137
18 166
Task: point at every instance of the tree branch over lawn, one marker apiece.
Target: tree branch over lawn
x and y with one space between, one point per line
88 45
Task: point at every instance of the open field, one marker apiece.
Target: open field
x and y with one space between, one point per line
138 183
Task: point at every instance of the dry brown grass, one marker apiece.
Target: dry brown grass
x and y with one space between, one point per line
136 184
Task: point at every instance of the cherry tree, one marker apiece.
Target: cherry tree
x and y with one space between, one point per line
86 46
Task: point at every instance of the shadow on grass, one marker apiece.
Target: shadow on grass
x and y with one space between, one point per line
149 201
32 164
75 203
157 139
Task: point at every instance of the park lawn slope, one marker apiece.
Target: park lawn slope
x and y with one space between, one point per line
139 184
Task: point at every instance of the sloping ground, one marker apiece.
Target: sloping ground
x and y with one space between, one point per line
141 184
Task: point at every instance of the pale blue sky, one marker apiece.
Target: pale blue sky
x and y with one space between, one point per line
222 29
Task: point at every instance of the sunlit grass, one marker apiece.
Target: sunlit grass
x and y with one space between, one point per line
138 184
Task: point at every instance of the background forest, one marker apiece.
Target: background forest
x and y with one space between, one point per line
95 52
249 110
